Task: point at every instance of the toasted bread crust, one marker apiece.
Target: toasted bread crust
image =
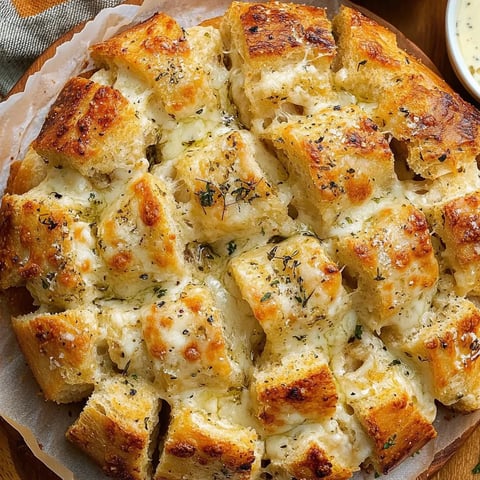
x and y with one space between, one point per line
158 51
411 431
61 351
393 260
285 393
316 463
280 30
268 221
143 215
456 223
266 40
194 448
446 349
117 425
339 155
26 174
90 127
439 128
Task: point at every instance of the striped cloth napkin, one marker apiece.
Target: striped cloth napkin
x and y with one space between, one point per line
28 27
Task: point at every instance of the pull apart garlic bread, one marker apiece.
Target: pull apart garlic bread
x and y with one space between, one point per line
254 248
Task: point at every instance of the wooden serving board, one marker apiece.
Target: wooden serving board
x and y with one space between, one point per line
422 22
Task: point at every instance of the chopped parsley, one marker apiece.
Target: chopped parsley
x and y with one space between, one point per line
390 442
206 196
231 247
160 292
266 296
300 337
358 332
360 64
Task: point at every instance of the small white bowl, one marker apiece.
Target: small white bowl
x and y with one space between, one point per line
454 52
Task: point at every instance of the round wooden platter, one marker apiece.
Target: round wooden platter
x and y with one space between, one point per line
420 25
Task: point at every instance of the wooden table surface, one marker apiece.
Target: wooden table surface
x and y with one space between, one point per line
423 22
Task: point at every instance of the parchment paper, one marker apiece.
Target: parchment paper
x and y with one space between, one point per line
21 117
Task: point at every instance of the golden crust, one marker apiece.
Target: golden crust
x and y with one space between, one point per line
397 428
301 388
393 260
196 447
457 223
92 128
277 32
340 156
185 338
266 40
316 463
40 239
27 173
214 22
446 350
116 427
61 351
440 130
158 51
306 452
22 255
142 215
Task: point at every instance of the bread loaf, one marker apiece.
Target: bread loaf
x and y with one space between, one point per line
253 246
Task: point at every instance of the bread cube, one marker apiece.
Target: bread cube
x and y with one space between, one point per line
395 411
293 288
281 55
185 338
199 446
439 129
457 224
139 238
332 449
339 157
394 263
46 245
445 347
158 52
61 350
117 427
92 128
228 192
300 388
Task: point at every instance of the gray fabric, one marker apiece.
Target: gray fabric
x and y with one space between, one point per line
22 40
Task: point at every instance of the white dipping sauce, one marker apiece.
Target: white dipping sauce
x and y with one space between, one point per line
468 31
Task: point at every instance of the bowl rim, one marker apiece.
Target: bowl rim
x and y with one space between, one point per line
454 52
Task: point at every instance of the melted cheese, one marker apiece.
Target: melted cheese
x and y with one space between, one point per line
227 191
141 217
305 449
293 289
186 341
237 234
394 262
